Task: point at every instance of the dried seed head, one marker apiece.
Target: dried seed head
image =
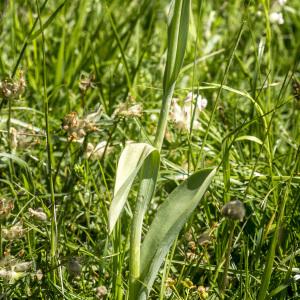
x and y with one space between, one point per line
6 206
188 235
234 210
15 232
78 128
22 266
101 292
38 214
204 238
128 110
170 282
86 81
13 88
7 261
10 276
190 255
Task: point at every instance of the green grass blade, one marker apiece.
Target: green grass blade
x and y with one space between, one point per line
47 23
130 163
169 220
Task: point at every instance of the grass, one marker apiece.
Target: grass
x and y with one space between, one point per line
79 56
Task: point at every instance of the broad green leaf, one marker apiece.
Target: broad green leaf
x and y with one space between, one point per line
130 162
169 220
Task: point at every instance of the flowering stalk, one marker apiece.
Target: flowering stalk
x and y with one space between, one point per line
177 38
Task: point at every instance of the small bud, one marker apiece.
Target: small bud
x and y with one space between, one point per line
234 210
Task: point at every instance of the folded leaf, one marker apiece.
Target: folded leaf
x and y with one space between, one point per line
130 162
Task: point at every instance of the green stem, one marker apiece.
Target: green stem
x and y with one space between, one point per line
146 191
227 260
53 246
163 117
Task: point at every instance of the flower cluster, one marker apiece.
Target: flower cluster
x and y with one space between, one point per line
182 116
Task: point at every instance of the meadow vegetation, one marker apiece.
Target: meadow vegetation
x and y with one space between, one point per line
149 149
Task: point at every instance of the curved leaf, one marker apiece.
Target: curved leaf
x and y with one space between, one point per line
169 220
130 162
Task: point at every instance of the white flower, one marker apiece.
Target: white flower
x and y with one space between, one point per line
182 116
276 18
282 2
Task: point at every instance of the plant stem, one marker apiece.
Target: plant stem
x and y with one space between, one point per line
163 117
227 259
53 246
